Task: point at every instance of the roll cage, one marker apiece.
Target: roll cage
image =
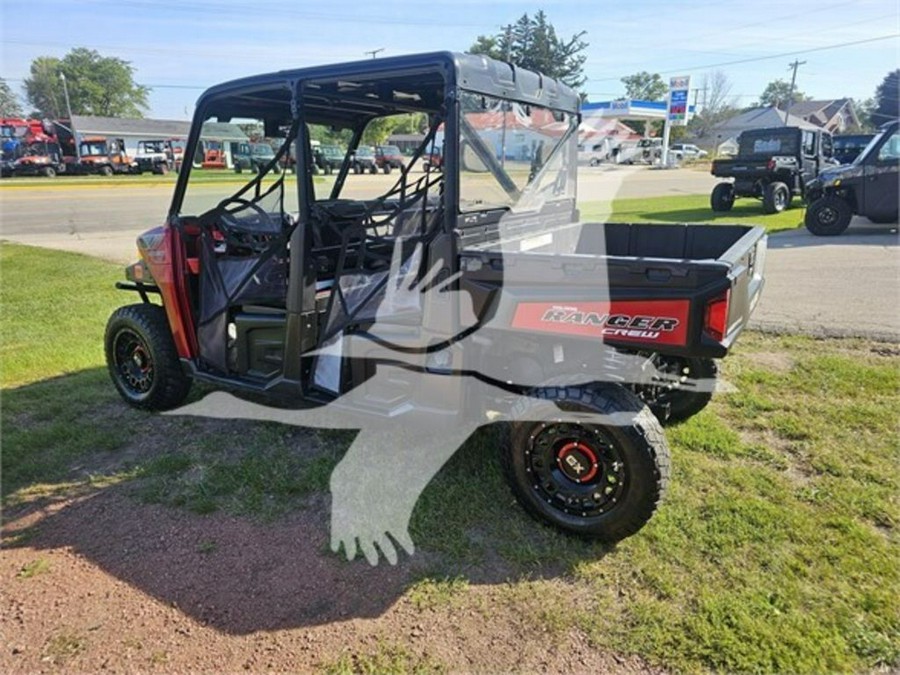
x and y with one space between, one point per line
326 266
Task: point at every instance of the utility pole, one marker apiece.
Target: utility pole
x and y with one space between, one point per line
796 64
62 76
374 52
696 96
504 104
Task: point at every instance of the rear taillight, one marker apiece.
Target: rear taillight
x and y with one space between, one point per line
771 165
715 319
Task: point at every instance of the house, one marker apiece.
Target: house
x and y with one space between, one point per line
835 115
726 133
129 130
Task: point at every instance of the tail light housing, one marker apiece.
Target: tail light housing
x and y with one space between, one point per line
715 319
770 165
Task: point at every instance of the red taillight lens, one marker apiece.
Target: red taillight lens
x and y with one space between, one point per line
771 165
715 320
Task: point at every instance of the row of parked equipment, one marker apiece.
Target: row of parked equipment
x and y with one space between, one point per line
44 148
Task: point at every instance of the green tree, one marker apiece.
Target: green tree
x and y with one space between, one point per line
644 86
777 92
98 85
379 129
532 43
864 110
887 100
9 102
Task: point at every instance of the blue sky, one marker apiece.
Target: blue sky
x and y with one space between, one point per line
180 47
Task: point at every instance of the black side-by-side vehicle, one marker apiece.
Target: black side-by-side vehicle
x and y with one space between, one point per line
867 187
615 319
773 165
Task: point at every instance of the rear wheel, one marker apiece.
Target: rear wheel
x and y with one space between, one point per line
722 197
142 359
828 216
106 170
48 172
599 480
776 197
388 168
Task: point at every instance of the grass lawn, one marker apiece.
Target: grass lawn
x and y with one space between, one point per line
776 550
692 209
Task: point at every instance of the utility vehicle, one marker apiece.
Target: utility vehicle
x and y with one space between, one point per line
867 187
522 299
105 156
388 158
363 160
252 157
155 156
773 165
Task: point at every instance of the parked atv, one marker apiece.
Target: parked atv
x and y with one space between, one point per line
773 165
867 187
475 288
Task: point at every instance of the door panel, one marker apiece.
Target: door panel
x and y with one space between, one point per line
880 184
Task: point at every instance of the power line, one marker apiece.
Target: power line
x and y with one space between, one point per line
764 58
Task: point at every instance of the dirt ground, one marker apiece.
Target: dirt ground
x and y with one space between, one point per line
102 581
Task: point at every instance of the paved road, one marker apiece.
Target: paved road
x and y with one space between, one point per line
842 285
847 285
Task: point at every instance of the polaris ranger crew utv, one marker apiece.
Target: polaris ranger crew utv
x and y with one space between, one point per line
519 297
773 165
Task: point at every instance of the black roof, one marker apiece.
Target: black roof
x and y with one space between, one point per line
383 80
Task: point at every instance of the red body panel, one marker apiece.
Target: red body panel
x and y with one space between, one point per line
651 322
162 250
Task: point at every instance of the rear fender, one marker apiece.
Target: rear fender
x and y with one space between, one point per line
162 252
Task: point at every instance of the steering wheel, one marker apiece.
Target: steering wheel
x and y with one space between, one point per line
254 236
229 221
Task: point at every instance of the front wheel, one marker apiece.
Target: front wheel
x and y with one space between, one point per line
106 170
776 197
142 359
828 216
722 197
600 472
48 172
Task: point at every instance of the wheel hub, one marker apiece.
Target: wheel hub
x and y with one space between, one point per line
578 462
576 468
827 216
133 363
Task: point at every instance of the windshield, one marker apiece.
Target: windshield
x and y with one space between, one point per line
261 150
876 139
93 148
365 151
513 155
151 146
332 151
223 150
40 149
390 150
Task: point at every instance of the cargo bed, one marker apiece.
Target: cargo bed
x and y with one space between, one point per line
677 289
